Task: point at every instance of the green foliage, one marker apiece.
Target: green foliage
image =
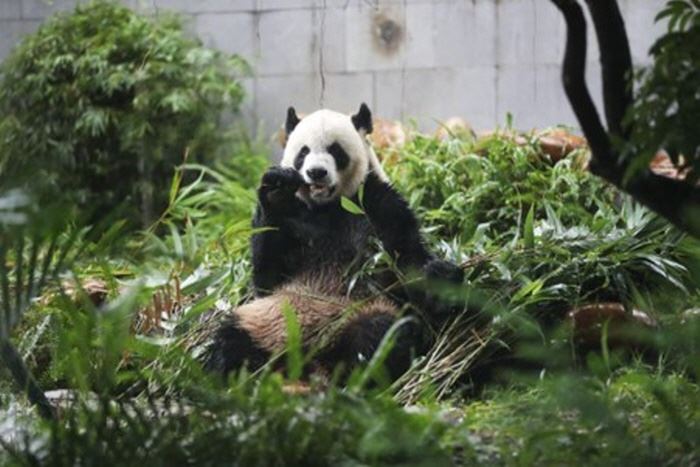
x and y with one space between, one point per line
102 104
635 417
213 212
34 250
667 106
537 234
254 426
89 351
350 206
295 357
535 239
576 264
452 185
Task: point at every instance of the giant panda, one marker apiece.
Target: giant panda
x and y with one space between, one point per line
307 247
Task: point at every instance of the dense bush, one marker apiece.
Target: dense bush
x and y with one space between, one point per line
103 103
530 219
536 239
666 109
454 186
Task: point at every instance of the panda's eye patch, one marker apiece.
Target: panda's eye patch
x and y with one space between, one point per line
341 157
299 160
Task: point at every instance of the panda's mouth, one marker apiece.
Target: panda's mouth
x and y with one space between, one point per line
318 191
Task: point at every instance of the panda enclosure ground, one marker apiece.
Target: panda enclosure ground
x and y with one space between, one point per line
585 350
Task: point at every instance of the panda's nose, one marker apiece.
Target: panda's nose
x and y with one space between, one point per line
317 174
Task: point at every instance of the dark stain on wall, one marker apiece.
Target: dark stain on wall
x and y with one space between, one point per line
387 33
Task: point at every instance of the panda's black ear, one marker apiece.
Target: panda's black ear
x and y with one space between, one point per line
292 120
363 119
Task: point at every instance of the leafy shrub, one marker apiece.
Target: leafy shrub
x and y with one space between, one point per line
667 107
536 239
529 219
258 425
103 103
525 219
465 187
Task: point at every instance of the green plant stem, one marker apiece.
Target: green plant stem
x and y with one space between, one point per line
25 381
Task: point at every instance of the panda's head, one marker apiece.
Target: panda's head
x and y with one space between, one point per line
331 152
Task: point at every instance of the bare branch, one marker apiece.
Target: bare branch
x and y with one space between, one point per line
615 60
573 76
677 201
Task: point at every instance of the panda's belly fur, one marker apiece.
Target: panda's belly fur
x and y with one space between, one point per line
329 246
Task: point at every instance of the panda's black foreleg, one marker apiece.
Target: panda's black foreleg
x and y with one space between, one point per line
444 276
398 229
276 203
395 224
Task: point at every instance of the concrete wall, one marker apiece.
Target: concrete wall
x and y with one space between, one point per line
417 59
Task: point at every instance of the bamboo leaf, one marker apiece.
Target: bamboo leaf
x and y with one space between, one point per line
350 206
295 357
175 185
529 228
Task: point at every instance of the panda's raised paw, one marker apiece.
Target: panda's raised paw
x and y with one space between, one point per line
284 178
277 189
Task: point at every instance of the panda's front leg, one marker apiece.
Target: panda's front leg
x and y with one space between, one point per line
395 224
277 203
397 228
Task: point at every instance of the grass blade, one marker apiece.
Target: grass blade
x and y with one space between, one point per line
5 293
19 284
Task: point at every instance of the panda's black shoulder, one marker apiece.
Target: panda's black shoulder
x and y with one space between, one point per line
379 186
381 198
373 182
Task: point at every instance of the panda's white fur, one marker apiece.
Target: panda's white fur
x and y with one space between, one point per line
318 131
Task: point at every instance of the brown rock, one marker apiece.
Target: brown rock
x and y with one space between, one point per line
588 322
558 143
387 134
93 288
454 127
662 165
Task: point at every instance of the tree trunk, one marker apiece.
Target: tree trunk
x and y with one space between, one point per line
676 200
